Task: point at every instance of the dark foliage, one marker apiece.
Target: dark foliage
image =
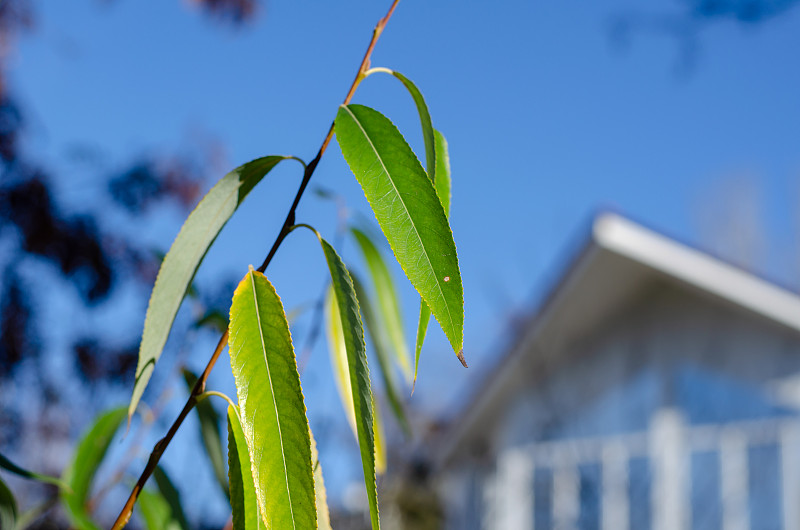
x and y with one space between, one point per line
15 324
236 11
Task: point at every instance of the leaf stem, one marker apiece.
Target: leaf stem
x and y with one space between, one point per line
199 387
209 393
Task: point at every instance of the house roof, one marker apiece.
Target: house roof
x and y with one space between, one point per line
618 260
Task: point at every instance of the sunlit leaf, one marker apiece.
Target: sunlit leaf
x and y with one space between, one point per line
358 371
171 495
424 119
338 353
8 465
156 511
181 262
273 414
379 345
87 458
8 507
323 516
443 186
443 179
408 210
244 502
209 430
388 305
380 439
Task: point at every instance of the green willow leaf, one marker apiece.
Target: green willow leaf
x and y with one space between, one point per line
388 305
209 431
443 187
358 371
323 515
156 511
86 460
273 414
244 502
379 344
428 135
8 507
338 353
8 465
442 183
172 496
181 262
380 439
408 210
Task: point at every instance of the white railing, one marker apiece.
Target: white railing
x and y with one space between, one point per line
668 447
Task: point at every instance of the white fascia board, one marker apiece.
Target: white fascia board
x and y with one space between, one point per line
635 242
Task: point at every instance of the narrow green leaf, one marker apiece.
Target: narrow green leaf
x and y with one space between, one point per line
443 179
209 431
338 353
323 515
86 460
8 507
338 349
171 495
443 187
361 389
8 465
424 119
244 502
422 330
156 511
273 414
181 262
408 210
388 305
214 320
26 518
380 439
378 339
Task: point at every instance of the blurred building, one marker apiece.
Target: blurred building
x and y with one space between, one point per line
657 388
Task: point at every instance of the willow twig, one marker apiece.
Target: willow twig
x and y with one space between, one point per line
199 387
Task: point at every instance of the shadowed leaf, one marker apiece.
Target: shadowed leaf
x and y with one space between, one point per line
8 507
379 344
408 210
8 465
156 511
172 496
388 305
209 430
273 414
184 257
85 461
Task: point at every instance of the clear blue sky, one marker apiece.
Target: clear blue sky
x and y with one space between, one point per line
548 120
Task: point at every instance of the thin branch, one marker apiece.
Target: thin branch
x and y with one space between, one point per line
199 387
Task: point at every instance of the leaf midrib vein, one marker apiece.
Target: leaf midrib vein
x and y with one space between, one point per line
400 197
272 391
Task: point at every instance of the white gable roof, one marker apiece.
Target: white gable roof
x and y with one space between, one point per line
621 236
620 258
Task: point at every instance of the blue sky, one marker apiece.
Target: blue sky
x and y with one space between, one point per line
548 117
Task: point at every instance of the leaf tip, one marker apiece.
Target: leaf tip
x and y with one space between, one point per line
460 356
